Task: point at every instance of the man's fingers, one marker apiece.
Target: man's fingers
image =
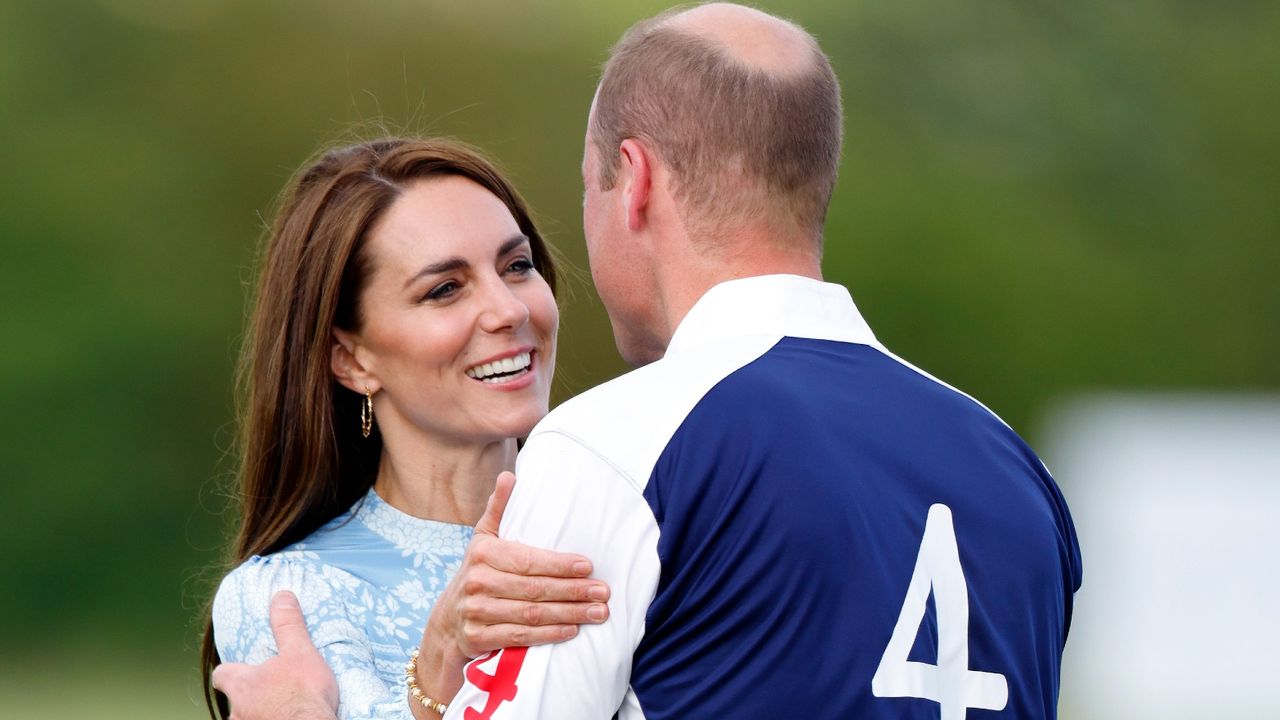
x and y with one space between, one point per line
288 625
492 517
226 676
515 558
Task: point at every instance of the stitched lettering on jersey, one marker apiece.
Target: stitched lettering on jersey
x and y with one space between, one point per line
500 686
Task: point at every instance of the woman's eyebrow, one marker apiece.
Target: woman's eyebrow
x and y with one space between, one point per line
456 263
515 242
444 266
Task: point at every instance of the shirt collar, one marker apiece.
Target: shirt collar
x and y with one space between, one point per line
782 305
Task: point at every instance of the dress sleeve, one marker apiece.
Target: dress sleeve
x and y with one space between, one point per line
334 604
570 499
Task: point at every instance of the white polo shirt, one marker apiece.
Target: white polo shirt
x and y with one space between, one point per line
760 501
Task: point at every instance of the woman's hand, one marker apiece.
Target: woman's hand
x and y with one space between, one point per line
505 595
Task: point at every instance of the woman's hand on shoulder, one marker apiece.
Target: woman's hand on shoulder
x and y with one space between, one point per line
507 595
512 595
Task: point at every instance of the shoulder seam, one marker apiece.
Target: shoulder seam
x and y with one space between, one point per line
585 446
887 353
307 566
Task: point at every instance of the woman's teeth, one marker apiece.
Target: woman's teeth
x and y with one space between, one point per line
500 370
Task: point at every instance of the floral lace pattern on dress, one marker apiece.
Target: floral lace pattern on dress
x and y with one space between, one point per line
366 581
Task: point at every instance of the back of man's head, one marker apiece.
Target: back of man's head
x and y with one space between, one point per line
742 107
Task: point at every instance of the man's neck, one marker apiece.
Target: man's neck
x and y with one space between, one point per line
683 280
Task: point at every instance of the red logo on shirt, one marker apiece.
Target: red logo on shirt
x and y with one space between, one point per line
501 685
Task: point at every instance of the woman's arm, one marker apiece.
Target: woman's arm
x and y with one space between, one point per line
296 684
329 597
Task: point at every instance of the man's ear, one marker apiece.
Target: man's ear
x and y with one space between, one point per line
345 364
636 181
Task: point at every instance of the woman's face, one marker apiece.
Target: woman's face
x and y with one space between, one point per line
459 329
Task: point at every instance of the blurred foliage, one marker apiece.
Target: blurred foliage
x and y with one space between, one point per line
1037 198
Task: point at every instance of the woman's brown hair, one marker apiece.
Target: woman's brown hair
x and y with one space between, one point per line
302 458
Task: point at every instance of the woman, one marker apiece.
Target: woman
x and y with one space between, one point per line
404 336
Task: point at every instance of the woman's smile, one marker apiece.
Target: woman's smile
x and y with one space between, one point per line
504 369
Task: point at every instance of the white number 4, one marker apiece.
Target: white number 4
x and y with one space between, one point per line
950 683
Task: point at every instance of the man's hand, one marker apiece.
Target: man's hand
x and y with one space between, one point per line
296 684
505 595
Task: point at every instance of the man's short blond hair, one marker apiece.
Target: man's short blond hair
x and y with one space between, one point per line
743 144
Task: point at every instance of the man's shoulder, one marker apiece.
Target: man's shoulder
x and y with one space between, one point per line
629 420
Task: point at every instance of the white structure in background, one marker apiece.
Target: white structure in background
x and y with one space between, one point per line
1176 500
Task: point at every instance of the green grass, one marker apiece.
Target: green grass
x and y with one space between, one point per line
98 688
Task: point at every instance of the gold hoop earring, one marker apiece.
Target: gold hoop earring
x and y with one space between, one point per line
366 414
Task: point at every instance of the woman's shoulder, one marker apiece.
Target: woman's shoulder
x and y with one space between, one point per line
302 572
241 606
303 567
293 569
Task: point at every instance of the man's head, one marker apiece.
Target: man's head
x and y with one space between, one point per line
731 113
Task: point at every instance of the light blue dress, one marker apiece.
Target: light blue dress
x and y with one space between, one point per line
366 582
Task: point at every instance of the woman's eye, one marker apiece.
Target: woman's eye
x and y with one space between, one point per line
521 266
441 291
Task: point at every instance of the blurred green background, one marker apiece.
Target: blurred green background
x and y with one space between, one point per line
1037 199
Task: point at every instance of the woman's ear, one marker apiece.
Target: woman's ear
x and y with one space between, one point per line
345 364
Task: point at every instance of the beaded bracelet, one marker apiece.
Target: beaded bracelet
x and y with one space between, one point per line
411 679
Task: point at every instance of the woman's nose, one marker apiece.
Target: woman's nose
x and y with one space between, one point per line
503 310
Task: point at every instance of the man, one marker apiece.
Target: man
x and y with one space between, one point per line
793 521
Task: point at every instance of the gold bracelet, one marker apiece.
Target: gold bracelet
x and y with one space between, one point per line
411 679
